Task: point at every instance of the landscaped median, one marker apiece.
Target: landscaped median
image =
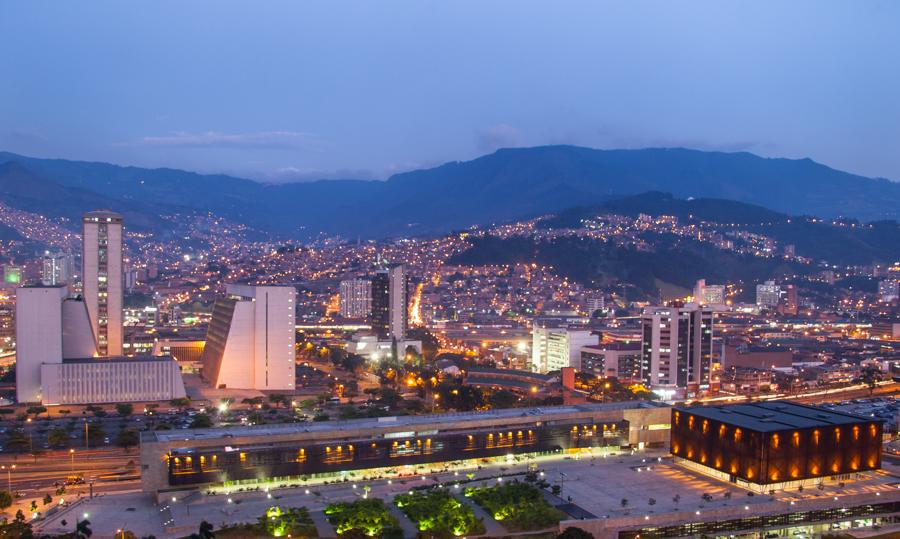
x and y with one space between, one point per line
518 506
367 517
438 514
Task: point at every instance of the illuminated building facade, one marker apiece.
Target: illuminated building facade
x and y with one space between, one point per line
389 316
191 459
676 347
775 442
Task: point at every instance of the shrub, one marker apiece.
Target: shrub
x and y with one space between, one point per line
369 516
293 521
439 514
518 505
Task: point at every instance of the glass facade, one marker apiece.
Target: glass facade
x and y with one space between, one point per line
198 466
724 527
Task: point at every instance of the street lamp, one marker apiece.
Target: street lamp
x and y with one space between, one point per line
9 470
72 455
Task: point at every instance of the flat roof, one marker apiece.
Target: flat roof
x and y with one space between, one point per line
374 423
117 359
770 416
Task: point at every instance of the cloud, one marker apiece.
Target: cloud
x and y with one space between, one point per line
265 140
497 136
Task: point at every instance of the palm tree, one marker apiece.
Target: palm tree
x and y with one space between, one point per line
83 529
206 530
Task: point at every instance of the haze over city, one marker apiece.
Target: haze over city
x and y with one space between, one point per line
581 270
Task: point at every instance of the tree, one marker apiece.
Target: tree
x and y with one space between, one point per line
17 441
574 533
36 410
6 499
58 437
181 402
124 409
206 530
201 421
277 399
95 433
48 499
127 438
503 399
870 376
83 529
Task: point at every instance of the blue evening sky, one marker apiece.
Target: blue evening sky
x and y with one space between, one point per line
301 89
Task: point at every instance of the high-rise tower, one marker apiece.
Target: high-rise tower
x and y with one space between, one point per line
390 303
101 263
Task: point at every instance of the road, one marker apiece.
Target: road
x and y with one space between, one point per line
35 477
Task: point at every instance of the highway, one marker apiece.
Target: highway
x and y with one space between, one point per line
35 477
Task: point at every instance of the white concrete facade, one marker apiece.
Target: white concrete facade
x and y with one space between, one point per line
102 280
39 336
355 298
555 348
95 381
259 345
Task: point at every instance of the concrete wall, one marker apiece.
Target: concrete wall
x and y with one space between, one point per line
103 381
39 330
78 340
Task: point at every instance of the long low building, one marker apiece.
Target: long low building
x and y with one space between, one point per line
192 459
106 380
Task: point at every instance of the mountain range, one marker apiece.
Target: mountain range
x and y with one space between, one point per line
506 185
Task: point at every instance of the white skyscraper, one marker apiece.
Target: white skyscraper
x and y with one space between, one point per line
251 338
676 347
356 298
552 349
101 260
56 268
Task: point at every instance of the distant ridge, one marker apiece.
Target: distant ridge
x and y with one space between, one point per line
499 187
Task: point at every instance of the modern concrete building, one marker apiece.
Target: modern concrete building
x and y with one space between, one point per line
775 444
50 326
555 348
617 360
275 454
56 268
709 294
101 260
355 298
105 380
373 349
676 347
889 290
56 359
251 338
768 294
389 316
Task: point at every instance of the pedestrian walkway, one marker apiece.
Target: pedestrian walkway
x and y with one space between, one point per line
409 527
492 528
323 527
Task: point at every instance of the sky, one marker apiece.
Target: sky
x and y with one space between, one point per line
300 90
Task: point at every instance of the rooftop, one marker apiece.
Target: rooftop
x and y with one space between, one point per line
412 421
102 214
117 359
770 416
